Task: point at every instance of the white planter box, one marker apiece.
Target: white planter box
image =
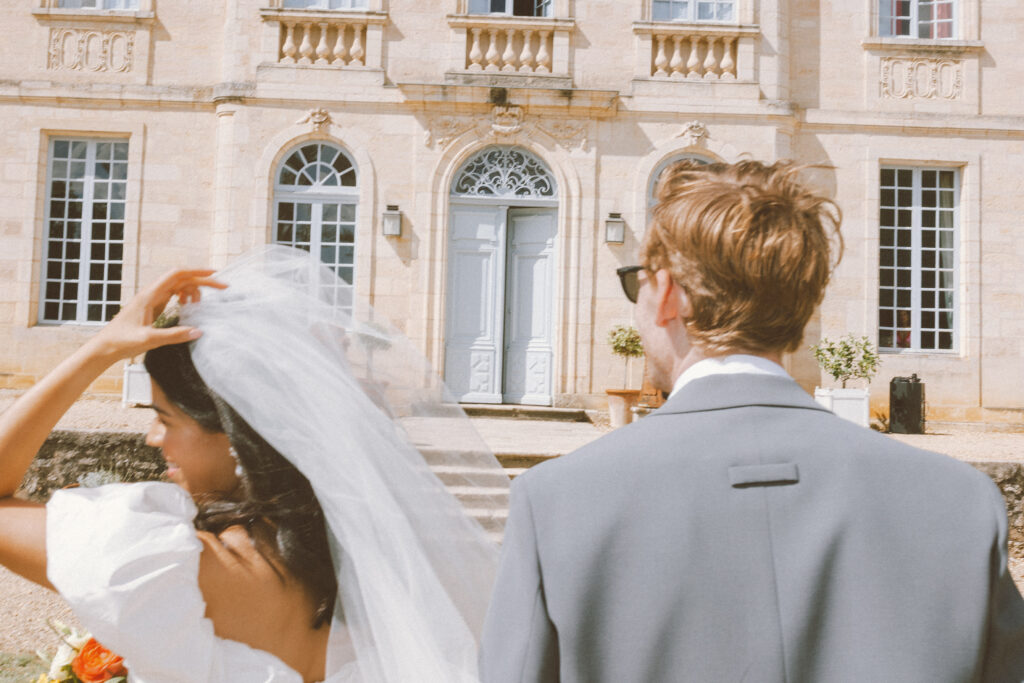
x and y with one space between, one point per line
849 404
136 389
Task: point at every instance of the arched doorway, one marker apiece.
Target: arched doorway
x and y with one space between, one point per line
316 192
499 332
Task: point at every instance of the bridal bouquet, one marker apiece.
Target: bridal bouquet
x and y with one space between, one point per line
80 659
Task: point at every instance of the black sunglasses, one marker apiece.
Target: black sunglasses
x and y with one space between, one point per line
629 277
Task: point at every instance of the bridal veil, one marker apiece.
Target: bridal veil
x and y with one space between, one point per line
355 407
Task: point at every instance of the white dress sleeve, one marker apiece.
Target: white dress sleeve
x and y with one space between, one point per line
126 558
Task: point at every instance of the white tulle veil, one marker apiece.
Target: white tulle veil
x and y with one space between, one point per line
355 407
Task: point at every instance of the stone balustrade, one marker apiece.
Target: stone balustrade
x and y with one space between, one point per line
511 45
673 51
324 38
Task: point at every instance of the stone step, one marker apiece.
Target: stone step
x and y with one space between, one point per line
449 460
523 461
475 497
453 475
946 426
491 520
522 412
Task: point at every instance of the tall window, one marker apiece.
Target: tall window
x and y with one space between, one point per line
99 4
693 10
917 18
518 8
325 4
84 241
315 196
917 259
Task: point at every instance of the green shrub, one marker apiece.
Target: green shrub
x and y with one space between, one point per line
847 358
625 341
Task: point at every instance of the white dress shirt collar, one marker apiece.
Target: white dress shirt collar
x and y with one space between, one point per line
728 365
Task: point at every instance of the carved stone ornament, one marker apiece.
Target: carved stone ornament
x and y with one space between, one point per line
906 78
507 120
75 49
568 134
695 133
441 131
320 118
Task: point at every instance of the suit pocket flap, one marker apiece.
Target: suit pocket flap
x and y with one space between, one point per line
778 474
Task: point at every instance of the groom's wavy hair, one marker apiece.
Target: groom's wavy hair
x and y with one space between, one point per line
752 247
277 506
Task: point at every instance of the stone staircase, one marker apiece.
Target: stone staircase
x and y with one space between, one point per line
488 503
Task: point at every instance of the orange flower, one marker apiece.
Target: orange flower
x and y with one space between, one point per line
95 663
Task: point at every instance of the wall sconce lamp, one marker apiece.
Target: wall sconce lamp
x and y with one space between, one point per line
392 221
614 229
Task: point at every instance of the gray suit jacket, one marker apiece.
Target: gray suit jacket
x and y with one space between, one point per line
743 533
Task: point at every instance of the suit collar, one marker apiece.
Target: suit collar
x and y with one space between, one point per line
717 392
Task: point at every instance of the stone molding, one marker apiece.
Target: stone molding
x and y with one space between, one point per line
75 49
507 120
502 123
695 134
921 78
319 119
568 134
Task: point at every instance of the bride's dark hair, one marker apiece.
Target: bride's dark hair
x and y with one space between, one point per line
276 506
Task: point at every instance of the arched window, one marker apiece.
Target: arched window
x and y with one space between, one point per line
316 193
498 172
660 168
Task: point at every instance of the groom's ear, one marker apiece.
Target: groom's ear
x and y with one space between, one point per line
672 301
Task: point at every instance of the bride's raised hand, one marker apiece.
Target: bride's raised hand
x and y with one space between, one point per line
24 425
131 332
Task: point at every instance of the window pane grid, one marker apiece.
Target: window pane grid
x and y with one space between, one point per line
84 235
917 259
315 211
693 10
930 19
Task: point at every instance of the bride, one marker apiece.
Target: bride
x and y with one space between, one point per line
302 536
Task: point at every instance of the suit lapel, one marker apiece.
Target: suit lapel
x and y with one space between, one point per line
719 392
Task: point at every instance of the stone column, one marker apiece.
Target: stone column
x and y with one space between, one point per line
225 184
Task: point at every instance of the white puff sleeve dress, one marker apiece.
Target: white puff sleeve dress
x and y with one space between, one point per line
126 558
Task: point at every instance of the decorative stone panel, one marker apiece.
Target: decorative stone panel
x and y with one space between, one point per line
921 78
923 75
504 124
89 49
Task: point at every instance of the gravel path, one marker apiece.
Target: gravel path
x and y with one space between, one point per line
25 607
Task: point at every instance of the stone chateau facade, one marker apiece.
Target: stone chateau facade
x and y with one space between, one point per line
479 168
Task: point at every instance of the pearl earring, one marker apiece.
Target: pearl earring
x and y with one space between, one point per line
239 472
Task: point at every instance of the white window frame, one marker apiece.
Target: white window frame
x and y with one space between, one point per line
916 249
99 5
541 8
886 20
318 196
691 11
84 281
325 4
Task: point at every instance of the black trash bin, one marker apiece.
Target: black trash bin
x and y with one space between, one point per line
906 405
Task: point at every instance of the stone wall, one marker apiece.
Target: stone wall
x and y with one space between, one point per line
67 456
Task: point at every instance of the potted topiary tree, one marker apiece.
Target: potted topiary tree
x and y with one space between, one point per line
624 341
846 359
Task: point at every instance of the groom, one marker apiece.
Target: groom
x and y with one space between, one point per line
741 532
